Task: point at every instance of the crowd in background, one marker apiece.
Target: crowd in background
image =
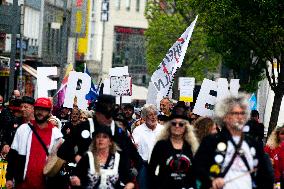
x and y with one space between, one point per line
112 146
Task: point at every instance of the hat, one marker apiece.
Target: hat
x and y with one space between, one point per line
103 129
105 105
28 100
43 103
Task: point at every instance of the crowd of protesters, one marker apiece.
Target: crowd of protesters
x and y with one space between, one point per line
111 146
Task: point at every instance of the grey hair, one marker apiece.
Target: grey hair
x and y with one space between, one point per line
189 135
223 107
147 108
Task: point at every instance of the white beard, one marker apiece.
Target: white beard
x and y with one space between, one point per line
238 126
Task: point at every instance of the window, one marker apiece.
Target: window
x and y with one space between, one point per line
137 5
129 49
128 5
117 4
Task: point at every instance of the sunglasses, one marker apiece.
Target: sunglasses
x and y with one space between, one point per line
179 124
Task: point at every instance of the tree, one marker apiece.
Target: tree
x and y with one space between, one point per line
167 21
249 35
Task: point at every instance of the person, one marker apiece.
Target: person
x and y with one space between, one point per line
204 126
10 119
82 138
231 159
145 137
70 127
273 148
28 155
103 166
165 106
27 108
5 148
172 157
55 121
128 110
17 93
256 129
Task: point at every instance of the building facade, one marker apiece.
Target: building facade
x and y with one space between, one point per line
119 41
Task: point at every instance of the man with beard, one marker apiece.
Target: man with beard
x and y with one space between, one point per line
145 137
232 159
29 150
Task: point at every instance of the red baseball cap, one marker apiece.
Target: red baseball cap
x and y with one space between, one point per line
43 103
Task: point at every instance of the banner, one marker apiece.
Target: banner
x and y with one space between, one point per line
162 78
121 86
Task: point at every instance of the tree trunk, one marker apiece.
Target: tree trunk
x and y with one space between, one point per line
275 111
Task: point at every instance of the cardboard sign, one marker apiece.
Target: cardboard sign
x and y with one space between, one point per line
186 86
78 85
44 84
121 85
205 102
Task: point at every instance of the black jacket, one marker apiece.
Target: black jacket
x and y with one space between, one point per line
204 159
66 151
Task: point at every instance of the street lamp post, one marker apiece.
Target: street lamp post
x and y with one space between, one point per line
104 19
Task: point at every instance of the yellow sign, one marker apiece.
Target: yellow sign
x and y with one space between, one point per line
186 98
3 168
78 21
4 72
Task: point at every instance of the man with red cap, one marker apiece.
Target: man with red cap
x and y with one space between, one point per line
31 145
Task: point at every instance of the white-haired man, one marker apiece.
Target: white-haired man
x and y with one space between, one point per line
231 159
145 137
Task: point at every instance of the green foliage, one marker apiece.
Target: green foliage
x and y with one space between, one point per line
165 27
236 28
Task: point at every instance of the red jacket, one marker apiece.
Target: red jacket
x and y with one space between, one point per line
274 156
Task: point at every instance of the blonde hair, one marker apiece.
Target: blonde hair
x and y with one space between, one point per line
274 140
112 150
189 135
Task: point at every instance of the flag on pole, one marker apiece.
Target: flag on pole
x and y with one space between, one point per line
93 93
61 92
162 78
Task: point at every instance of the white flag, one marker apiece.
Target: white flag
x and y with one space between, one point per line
164 75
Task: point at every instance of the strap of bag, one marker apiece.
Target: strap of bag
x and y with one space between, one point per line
39 139
237 148
241 154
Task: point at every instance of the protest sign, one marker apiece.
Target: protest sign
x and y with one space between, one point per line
121 85
78 85
162 78
211 92
186 86
44 84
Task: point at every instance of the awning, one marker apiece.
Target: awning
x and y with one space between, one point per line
30 70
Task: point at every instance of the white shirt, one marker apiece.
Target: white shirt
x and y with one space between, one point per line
146 138
238 170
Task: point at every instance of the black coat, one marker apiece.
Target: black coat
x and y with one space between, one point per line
66 151
204 159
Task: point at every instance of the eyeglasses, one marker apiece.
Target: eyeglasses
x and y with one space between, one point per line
179 124
237 113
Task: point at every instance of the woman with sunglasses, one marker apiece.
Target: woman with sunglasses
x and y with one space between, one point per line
273 149
171 160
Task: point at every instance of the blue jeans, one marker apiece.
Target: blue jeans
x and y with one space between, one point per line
142 177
